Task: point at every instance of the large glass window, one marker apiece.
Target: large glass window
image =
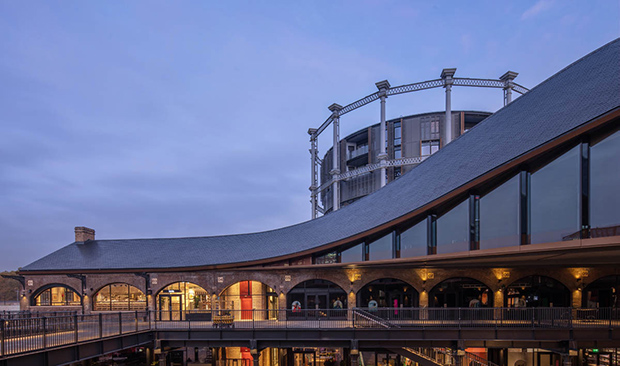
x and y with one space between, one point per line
57 296
605 186
555 199
381 248
327 258
499 216
119 297
453 230
353 254
413 242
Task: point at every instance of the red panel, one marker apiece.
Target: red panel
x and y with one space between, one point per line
245 292
245 288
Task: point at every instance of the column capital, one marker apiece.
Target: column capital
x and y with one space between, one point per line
382 157
383 85
335 107
508 77
448 73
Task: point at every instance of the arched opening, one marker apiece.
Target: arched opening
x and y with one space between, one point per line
119 297
250 300
537 291
460 293
602 293
387 293
56 295
316 298
183 301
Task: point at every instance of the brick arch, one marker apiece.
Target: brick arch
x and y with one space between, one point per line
409 280
405 281
343 283
435 285
166 284
569 288
431 284
42 288
130 283
221 287
96 290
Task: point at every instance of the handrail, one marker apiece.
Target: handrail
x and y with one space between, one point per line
28 334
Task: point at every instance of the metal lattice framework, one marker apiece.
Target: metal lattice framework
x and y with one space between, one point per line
505 82
408 88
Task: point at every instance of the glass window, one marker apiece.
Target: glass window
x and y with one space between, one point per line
381 248
453 230
413 242
555 199
327 258
57 296
119 297
353 254
398 153
429 147
604 186
499 216
397 131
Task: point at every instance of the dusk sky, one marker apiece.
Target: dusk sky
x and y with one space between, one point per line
189 118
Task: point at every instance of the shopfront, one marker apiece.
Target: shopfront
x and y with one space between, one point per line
460 293
182 301
317 298
537 291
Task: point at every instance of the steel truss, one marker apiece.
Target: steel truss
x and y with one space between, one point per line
505 82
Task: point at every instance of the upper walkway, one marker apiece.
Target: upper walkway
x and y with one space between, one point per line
73 337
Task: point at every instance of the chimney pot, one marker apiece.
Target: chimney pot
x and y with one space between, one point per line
83 234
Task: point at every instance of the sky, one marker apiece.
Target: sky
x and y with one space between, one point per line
148 119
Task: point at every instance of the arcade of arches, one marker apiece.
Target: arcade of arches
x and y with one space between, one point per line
243 296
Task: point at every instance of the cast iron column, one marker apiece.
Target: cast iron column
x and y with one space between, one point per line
383 87
508 78
447 75
313 170
335 108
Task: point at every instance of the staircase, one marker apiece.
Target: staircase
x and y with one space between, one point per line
365 319
441 357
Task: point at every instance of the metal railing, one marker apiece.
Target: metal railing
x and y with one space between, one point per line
21 334
24 332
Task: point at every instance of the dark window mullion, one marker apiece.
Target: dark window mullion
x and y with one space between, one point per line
524 207
474 222
584 202
431 234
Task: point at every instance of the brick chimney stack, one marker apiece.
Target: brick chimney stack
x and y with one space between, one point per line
83 234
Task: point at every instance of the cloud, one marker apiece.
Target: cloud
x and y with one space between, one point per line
539 7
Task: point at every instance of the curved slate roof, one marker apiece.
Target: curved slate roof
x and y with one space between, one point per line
579 93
